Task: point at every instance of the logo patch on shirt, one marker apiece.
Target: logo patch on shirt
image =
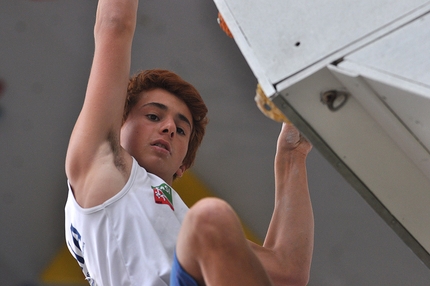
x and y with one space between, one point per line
163 195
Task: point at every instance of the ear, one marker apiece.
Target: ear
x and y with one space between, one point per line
180 171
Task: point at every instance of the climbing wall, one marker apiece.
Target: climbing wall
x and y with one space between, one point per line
355 79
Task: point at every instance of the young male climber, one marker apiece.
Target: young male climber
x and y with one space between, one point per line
125 225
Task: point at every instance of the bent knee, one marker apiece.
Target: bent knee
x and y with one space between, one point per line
211 211
213 218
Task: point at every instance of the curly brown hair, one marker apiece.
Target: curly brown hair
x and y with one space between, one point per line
171 82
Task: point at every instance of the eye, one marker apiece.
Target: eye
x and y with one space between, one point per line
152 117
180 131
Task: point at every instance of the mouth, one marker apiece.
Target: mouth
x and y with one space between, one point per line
162 144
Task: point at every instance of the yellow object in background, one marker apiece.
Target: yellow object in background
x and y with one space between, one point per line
63 270
191 189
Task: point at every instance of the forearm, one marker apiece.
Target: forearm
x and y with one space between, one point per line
291 230
293 214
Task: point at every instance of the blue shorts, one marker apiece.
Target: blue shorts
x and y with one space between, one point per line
179 277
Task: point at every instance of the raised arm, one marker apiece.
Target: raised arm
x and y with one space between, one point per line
96 166
287 250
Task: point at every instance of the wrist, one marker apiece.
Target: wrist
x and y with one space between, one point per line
292 154
289 160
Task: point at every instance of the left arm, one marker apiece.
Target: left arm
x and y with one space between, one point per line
287 250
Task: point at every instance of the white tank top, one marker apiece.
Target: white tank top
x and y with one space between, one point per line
129 239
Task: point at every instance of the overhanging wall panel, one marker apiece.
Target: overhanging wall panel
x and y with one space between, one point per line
288 36
377 52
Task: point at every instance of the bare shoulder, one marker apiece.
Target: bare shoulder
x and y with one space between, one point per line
100 179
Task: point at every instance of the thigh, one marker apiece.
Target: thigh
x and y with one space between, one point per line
213 249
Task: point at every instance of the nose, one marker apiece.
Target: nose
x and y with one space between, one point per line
168 128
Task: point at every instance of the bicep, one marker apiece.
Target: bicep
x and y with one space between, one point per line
101 115
269 261
278 271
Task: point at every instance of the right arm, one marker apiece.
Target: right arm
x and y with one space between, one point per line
96 165
287 250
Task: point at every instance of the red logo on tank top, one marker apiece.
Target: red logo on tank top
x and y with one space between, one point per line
163 195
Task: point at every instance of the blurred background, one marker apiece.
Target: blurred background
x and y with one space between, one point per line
46 50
